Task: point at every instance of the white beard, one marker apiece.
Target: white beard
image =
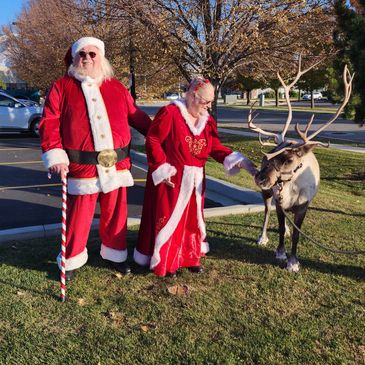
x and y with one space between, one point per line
95 74
103 73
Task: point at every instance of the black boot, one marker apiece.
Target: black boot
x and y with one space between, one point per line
121 267
196 269
70 274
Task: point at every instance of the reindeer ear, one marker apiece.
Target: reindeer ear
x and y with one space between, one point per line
303 150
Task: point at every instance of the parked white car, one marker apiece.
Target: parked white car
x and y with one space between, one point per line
316 96
19 115
172 96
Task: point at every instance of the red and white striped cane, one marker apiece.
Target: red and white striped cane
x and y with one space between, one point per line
63 238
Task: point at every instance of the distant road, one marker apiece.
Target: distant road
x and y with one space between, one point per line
273 120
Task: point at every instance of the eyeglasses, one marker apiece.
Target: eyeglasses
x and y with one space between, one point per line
83 54
203 101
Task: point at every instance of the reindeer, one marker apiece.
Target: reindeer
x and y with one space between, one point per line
290 172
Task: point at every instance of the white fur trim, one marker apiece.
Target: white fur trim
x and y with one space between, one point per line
111 254
141 259
163 172
204 247
231 161
92 185
74 262
202 121
55 156
101 131
87 41
192 178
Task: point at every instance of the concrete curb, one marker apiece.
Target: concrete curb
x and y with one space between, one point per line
51 230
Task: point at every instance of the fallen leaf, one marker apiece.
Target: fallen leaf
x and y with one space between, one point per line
81 301
178 290
19 292
118 275
144 328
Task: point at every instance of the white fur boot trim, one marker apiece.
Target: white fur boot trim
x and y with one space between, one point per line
141 259
74 262
111 254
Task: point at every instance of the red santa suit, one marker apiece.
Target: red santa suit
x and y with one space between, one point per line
172 232
82 115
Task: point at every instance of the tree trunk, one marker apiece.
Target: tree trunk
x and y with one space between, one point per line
248 95
214 110
276 97
312 100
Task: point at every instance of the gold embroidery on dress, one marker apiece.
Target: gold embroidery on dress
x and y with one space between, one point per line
195 145
160 224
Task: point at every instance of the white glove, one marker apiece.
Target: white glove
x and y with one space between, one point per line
248 165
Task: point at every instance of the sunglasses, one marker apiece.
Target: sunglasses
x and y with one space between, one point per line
83 54
203 101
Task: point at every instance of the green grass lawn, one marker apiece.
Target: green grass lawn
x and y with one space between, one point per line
245 309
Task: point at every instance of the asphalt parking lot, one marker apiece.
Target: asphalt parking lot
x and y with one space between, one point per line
28 197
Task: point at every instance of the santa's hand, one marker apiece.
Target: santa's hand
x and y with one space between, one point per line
168 182
249 166
59 169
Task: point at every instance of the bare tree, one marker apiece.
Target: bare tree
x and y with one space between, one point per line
214 38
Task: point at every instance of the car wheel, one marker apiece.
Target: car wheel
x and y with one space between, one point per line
34 127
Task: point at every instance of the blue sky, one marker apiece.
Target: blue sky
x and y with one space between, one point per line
9 10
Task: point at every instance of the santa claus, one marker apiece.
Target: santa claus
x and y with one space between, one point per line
85 135
181 138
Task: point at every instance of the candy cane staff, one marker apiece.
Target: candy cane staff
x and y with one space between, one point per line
63 235
63 238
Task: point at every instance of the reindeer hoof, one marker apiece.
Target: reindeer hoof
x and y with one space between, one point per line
262 240
280 255
293 266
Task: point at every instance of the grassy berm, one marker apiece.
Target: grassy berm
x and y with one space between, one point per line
245 309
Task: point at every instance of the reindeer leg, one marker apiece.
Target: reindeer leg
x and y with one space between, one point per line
267 197
299 215
280 250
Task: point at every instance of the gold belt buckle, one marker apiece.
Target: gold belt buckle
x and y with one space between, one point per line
107 158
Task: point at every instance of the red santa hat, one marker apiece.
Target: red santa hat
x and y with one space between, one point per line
87 41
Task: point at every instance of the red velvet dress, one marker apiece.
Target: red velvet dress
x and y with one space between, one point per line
172 232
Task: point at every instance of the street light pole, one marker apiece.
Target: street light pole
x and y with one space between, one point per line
132 63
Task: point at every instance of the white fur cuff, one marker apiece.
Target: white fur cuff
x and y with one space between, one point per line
74 262
55 156
204 248
111 254
141 259
163 172
231 161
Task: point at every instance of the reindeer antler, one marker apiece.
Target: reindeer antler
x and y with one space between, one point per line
260 131
280 137
287 88
307 140
347 81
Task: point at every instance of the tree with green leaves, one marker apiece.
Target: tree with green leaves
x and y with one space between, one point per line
350 40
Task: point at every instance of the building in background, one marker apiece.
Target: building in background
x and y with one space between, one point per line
8 80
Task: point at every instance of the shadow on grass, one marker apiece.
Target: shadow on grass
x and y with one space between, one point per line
244 249
336 212
40 255
356 176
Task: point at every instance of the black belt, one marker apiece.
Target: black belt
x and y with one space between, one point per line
106 158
